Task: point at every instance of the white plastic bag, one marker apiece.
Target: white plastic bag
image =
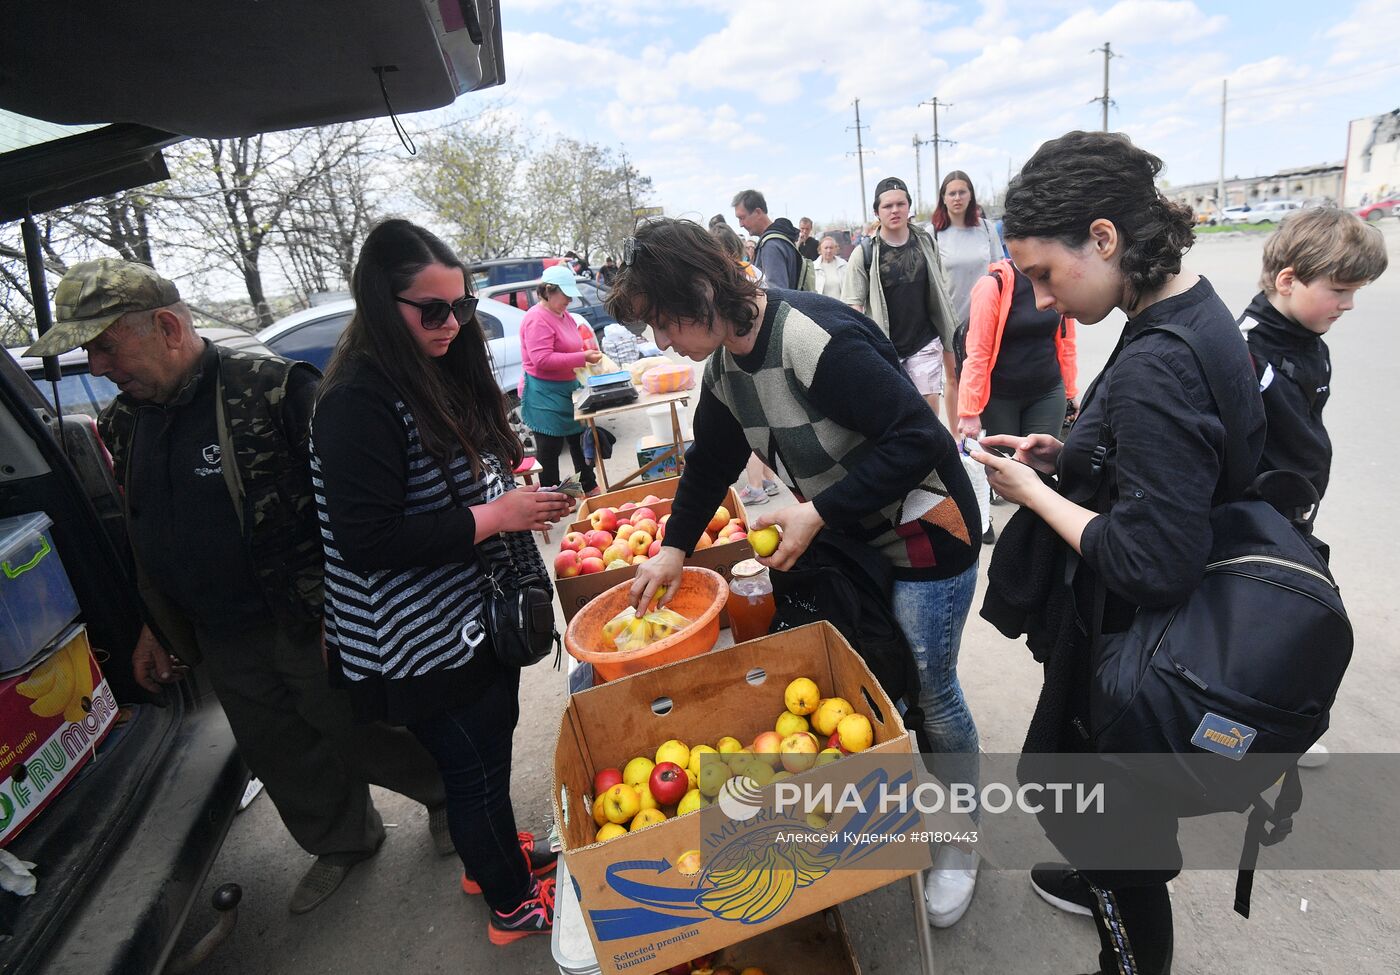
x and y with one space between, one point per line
977 474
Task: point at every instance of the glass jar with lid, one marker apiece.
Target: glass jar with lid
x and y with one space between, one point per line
750 603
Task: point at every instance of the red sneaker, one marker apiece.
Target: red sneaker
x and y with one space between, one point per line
541 862
534 916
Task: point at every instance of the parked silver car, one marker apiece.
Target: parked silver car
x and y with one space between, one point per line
1272 211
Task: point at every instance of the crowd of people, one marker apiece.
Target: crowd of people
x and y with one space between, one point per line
323 546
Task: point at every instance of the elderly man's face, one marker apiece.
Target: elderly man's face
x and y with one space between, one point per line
804 229
142 359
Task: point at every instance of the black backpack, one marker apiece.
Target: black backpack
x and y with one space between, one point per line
1248 664
806 279
849 584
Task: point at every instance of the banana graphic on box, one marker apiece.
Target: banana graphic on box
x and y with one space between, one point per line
763 882
60 684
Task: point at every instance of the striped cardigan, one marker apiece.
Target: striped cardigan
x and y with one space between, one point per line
397 624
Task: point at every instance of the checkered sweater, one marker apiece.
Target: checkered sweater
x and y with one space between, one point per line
822 399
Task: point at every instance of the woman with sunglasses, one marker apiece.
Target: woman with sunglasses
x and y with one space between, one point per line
551 348
412 459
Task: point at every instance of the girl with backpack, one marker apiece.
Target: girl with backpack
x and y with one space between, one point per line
1132 490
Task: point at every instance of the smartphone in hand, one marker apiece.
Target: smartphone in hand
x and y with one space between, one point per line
969 445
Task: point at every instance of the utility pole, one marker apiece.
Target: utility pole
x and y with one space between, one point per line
936 140
860 155
627 178
918 174
1220 184
1108 55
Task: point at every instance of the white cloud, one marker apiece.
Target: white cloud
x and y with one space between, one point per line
1369 34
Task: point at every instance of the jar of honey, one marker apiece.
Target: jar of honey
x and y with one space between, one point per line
750 604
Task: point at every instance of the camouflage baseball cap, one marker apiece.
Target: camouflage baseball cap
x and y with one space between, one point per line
94 294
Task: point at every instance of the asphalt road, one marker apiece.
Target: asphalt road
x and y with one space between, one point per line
403 911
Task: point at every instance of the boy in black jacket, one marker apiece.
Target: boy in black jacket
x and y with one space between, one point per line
1313 266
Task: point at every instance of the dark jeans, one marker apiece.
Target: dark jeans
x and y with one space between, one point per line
1134 922
1021 417
547 451
472 746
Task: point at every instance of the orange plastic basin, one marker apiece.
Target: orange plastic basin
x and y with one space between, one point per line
701 596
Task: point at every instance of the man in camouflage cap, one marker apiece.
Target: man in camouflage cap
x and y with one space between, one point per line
210 447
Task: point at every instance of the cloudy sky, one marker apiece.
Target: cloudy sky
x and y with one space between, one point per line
712 96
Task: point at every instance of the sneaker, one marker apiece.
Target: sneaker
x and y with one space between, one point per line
1315 757
949 885
771 488
752 495
989 536
534 916
1060 885
542 862
437 829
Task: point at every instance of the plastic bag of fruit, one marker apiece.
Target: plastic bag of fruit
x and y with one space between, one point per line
627 631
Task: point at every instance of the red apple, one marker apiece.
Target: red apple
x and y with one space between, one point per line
572 542
605 779
627 506
668 783
834 741
566 564
738 535
598 539
642 514
704 542
603 520
647 525
591 552
591 565
652 499
654 549
720 519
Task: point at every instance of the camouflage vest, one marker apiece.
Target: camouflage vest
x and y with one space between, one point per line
269 479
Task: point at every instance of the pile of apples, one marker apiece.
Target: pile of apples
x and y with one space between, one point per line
648 791
706 965
629 535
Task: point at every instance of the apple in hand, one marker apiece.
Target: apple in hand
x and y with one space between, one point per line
603 520
668 783
566 564
605 779
573 541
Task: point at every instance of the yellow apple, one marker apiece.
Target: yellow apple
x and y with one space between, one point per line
728 744
611 832
735 759
855 733
764 541
673 751
621 803
693 800
802 696
760 772
645 818
799 752
790 724
638 771
779 776
712 778
829 714
692 778
648 800
696 757
828 755
600 815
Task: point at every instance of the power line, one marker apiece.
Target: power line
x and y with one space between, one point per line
936 140
1271 92
859 154
1108 56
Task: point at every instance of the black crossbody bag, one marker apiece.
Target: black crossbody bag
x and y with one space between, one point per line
519 617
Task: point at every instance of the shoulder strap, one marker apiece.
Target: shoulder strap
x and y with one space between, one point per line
1280 817
867 252
1238 471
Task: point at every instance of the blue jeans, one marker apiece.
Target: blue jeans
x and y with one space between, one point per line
932 614
472 747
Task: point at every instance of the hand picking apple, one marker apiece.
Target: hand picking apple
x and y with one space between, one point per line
799 524
657 579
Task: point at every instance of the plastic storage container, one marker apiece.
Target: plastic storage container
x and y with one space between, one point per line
36 599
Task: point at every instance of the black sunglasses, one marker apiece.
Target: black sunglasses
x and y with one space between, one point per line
435 312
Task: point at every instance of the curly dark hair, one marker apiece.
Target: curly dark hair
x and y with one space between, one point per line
1083 176
679 271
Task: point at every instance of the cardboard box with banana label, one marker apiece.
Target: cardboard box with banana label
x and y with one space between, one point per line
52 718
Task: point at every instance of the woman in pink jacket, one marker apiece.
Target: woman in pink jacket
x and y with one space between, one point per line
551 348
1020 376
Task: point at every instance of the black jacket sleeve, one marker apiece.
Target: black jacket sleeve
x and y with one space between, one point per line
363 452
855 386
713 462
1152 545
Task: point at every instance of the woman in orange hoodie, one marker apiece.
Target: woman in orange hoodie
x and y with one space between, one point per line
1020 373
